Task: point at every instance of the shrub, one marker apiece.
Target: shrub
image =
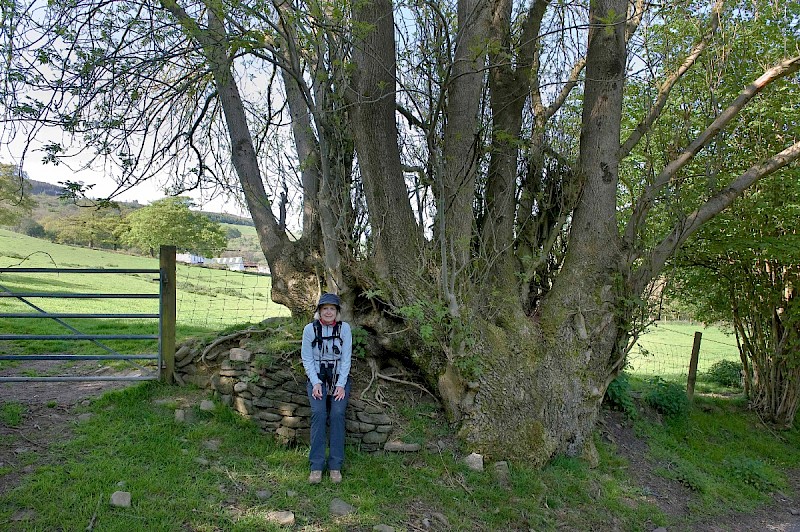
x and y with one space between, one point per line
618 395
30 227
667 397
754 473
725 373
360 342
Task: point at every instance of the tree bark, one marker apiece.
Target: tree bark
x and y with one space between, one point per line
395 235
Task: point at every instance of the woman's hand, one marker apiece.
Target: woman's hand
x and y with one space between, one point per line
316 393
338 393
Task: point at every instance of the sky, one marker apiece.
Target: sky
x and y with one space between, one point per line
144 193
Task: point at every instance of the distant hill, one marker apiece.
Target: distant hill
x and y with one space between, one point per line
45 189
232 219
40 188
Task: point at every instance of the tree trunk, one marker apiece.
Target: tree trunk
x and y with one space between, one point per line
542 384
293 265
395 235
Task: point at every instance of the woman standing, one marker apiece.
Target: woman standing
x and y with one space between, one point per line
327 352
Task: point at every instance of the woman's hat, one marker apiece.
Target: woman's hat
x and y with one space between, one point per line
330 299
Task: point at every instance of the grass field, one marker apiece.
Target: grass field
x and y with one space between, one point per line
208 300
665 349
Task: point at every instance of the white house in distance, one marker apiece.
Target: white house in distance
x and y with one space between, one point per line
188 258
235 264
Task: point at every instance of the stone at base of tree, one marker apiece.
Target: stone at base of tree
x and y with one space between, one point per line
474 461
400 447
660 529
441 518
263 494
121 499
502 473
180 415
339 507
590 454
382 528
86 416
206 405
212 444
281 517
237 354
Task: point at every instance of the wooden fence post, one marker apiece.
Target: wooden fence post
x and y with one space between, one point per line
693 365
168 313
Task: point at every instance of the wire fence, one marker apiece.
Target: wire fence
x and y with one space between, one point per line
213 297
665 351
217 298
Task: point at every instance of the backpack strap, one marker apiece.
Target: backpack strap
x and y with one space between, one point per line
317 335
318 338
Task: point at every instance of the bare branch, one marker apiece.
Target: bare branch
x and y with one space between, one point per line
666 87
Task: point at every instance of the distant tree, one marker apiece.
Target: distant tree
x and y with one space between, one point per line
90 227
15 197
169 221
232 233
30 227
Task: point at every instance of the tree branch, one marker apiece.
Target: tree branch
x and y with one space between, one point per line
708 210
666 87
645 201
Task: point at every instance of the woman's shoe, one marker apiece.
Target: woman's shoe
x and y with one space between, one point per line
336 476
316 477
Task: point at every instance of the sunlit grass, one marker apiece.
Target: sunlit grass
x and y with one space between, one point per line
207 299
665 350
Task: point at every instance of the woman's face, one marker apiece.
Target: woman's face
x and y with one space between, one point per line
327 312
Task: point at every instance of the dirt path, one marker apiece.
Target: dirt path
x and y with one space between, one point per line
49 412
674 498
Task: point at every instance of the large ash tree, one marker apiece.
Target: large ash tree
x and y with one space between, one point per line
453 167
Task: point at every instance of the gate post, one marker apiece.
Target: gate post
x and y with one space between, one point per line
168 313
698 336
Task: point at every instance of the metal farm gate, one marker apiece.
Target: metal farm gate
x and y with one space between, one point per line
165 356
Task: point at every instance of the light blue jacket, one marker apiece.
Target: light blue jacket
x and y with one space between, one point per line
312 356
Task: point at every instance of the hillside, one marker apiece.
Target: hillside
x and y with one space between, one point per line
51 207
40 188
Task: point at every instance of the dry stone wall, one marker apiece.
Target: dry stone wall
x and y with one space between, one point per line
274 396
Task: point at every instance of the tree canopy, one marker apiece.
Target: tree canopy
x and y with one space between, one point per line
169 221
15 200
483 182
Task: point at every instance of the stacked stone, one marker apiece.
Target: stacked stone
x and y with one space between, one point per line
276 400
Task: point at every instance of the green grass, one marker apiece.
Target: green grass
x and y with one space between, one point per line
132 443
11 414
207 299
666 348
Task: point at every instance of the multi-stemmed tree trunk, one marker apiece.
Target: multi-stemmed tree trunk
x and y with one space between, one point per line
511 279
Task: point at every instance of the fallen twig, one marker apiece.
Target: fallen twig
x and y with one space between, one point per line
94 515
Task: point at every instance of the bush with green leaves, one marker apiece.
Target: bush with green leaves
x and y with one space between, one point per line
754 473
360 342
725 373
618 395
667 398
